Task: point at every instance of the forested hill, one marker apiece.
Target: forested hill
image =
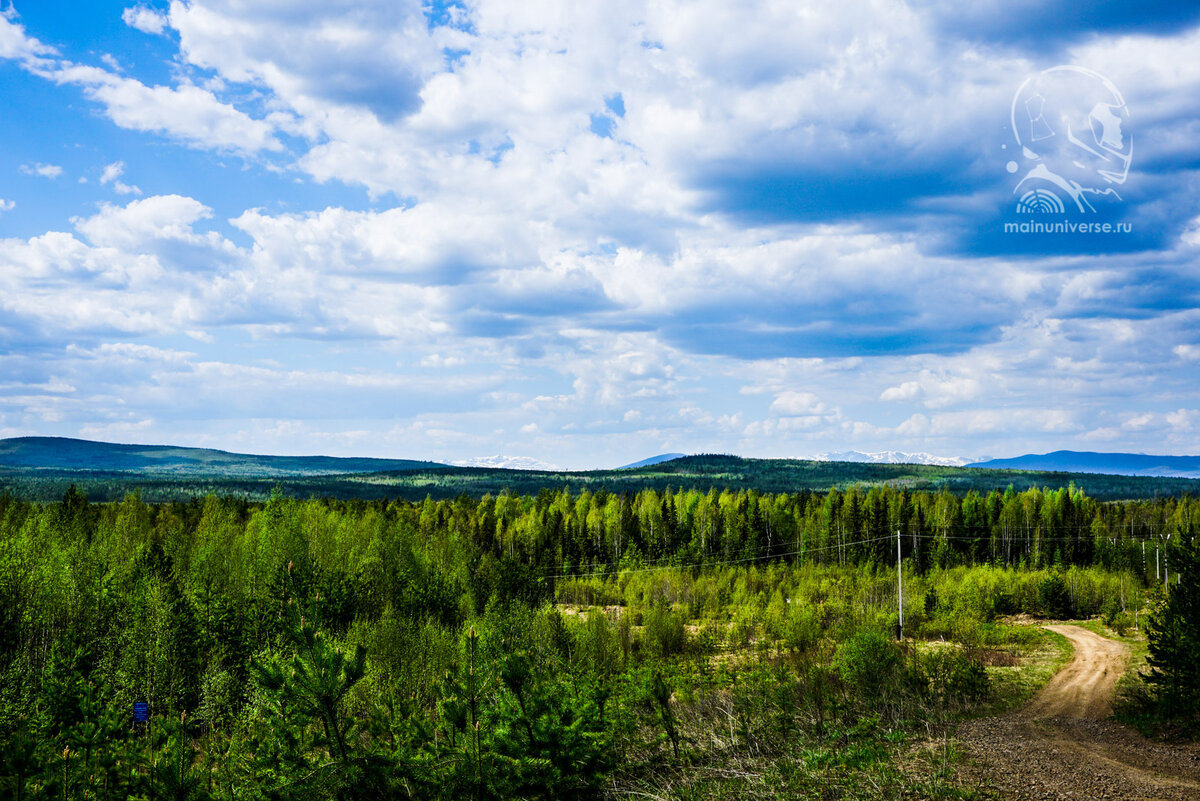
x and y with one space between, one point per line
66 454
48 481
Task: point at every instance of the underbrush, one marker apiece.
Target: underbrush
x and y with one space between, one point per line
866 718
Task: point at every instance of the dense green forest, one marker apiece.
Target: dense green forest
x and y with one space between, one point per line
50 479
553 645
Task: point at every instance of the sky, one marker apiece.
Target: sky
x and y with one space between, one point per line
585 233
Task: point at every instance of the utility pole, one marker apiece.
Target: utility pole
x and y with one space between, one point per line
899 588
1166 569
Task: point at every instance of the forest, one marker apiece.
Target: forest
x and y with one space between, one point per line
675 643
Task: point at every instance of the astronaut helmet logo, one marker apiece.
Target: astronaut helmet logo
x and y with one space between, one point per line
1071 126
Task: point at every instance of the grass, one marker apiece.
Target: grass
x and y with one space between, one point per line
856 757
1043 654
1136 640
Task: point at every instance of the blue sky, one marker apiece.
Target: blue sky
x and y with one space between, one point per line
585 233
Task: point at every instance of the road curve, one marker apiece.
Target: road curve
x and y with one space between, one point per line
1084 688
1063 745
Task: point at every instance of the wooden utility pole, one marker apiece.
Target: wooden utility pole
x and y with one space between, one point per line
899 589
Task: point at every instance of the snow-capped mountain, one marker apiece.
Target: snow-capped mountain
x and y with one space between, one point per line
507 463
894 457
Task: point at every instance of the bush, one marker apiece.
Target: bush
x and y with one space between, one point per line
664 634
871 664
1117 619
950 676
801 628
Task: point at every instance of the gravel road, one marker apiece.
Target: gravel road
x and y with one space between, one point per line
1062 746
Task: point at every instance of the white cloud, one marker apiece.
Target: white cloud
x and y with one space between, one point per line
1189 353
438 360
42 170
796 404
112 174
158 217
6 205
1184 420
15 44
1139 422
185 112
319 58
937 390
909 390
146 20
189 113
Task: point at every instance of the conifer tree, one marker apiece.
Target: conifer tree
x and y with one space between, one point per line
1174 636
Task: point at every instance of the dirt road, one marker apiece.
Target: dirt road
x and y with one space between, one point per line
1061 746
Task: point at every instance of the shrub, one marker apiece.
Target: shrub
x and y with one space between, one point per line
664 634
871 664
950 676
801 628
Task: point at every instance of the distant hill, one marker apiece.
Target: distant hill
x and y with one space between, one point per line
893 457
62 453
1120 464
662 457
41 469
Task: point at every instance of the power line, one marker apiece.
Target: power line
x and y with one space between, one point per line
666 564
714 563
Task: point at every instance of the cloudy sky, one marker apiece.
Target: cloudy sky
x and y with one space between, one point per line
588 232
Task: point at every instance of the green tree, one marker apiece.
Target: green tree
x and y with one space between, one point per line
311 686
1174 637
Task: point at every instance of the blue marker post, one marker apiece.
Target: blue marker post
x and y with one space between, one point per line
141 714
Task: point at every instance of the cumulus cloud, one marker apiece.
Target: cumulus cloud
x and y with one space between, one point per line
373 55
159 217
7 205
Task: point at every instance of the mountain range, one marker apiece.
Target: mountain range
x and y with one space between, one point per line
1121 464
507 463
893 457
43 468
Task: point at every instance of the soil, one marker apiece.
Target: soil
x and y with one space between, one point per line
1064 745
